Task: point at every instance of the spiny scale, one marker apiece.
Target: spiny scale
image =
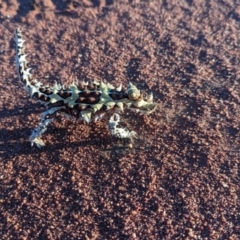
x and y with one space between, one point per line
84 100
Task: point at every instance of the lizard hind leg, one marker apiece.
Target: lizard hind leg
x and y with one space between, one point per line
37 132
45 120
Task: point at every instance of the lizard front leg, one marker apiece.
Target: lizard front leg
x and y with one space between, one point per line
118 131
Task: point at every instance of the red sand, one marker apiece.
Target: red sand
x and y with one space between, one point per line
180 180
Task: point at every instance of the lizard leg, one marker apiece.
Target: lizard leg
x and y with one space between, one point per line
37 132
45 120
117 131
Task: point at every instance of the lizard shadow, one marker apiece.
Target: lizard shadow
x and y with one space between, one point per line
15 141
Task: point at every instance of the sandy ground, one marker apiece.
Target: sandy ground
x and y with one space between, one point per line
180 180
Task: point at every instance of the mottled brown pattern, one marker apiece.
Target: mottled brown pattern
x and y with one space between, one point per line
45 91
118 95
43 98
180 180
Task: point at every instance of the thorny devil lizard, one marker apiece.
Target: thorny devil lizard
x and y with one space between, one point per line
83 100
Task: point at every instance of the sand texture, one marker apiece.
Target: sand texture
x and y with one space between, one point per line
180 179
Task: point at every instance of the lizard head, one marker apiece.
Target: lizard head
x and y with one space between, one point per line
139 101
